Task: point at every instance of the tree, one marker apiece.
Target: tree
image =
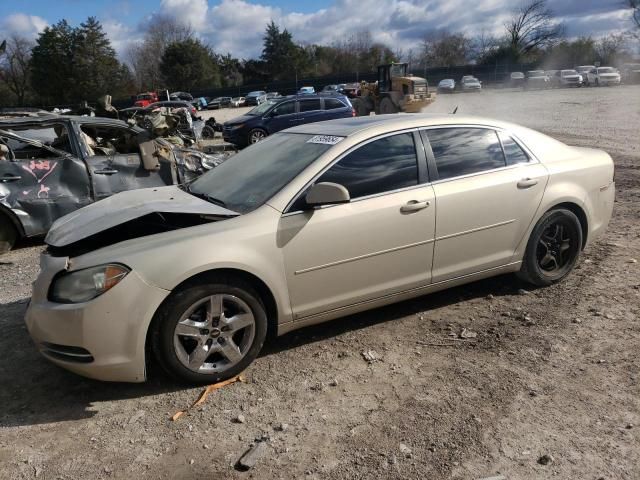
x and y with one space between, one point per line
144 58
609 48
581 51
96 70
52 63
282 57
14 67
189 65
533 27
444 49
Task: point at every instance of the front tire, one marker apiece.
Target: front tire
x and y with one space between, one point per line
553 248
209 333
8 234
256 135
387 106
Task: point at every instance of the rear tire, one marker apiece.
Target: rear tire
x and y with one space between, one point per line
8 234
208 132
553 248
209 333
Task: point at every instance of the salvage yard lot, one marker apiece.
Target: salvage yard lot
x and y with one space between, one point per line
386 393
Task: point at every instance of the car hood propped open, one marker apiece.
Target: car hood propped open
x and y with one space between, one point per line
125 207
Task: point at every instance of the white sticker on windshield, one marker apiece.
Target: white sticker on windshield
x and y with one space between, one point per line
325 139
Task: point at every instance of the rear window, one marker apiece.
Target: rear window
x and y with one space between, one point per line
309 105
463 151
333 103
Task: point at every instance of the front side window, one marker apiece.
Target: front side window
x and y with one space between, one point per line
463 151
309 105
286 108
383 165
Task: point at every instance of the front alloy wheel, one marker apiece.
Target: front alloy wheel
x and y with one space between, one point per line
214 334
256 135
206 333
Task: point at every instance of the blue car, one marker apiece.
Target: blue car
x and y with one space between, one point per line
285 112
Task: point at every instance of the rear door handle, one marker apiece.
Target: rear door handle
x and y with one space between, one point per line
10 178
414 206
106 171
527 183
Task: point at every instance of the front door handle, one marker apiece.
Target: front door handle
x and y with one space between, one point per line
527 183
414 206
106 171
10 178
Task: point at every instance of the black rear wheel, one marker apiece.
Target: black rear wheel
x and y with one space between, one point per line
553 248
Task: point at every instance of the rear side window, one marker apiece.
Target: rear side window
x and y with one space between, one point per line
463 151
333 103
309 105
380 166
512 151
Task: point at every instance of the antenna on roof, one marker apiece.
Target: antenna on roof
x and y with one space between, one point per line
454 110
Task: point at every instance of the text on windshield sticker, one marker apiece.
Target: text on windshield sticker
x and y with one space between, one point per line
325 139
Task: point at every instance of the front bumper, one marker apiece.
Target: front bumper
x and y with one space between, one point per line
102 339
235 136
609 81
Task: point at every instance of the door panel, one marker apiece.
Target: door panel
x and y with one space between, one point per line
482 218
343 254
283 116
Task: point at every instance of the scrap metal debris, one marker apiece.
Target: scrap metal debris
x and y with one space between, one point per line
468 333
205 393
371 356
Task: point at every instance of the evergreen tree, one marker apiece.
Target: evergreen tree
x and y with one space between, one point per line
52 63
96 70
189 65
282 57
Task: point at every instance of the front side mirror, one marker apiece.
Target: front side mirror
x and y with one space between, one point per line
327 193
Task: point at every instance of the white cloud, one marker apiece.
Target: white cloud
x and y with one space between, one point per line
21 24
189 12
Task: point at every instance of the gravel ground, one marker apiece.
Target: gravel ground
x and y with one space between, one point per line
553 372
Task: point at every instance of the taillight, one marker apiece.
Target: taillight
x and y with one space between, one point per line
353 112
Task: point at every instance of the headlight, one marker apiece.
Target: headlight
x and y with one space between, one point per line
84 285
235 127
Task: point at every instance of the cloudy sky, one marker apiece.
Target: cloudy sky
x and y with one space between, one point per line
237 26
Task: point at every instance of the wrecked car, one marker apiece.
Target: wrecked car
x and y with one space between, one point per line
335 218
53 165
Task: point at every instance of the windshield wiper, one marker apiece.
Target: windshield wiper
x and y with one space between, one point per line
204 196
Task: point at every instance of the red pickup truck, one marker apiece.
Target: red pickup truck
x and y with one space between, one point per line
145 99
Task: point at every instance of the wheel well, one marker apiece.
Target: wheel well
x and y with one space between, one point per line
228 274
12 220
578 212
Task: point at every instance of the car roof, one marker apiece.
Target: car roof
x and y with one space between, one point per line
345 127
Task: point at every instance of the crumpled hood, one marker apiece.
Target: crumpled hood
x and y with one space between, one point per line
126 206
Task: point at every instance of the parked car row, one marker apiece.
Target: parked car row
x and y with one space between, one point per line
468 83
584 75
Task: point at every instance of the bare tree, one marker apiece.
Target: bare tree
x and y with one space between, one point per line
14 66
532 27
444 49
609 47
483 44
144 57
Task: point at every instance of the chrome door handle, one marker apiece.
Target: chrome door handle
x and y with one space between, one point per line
527 183
414 206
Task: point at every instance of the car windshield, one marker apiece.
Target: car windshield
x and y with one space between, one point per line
262 108
606 70
254 94
568 72
250 178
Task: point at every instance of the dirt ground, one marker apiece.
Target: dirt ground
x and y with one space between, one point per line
552 371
